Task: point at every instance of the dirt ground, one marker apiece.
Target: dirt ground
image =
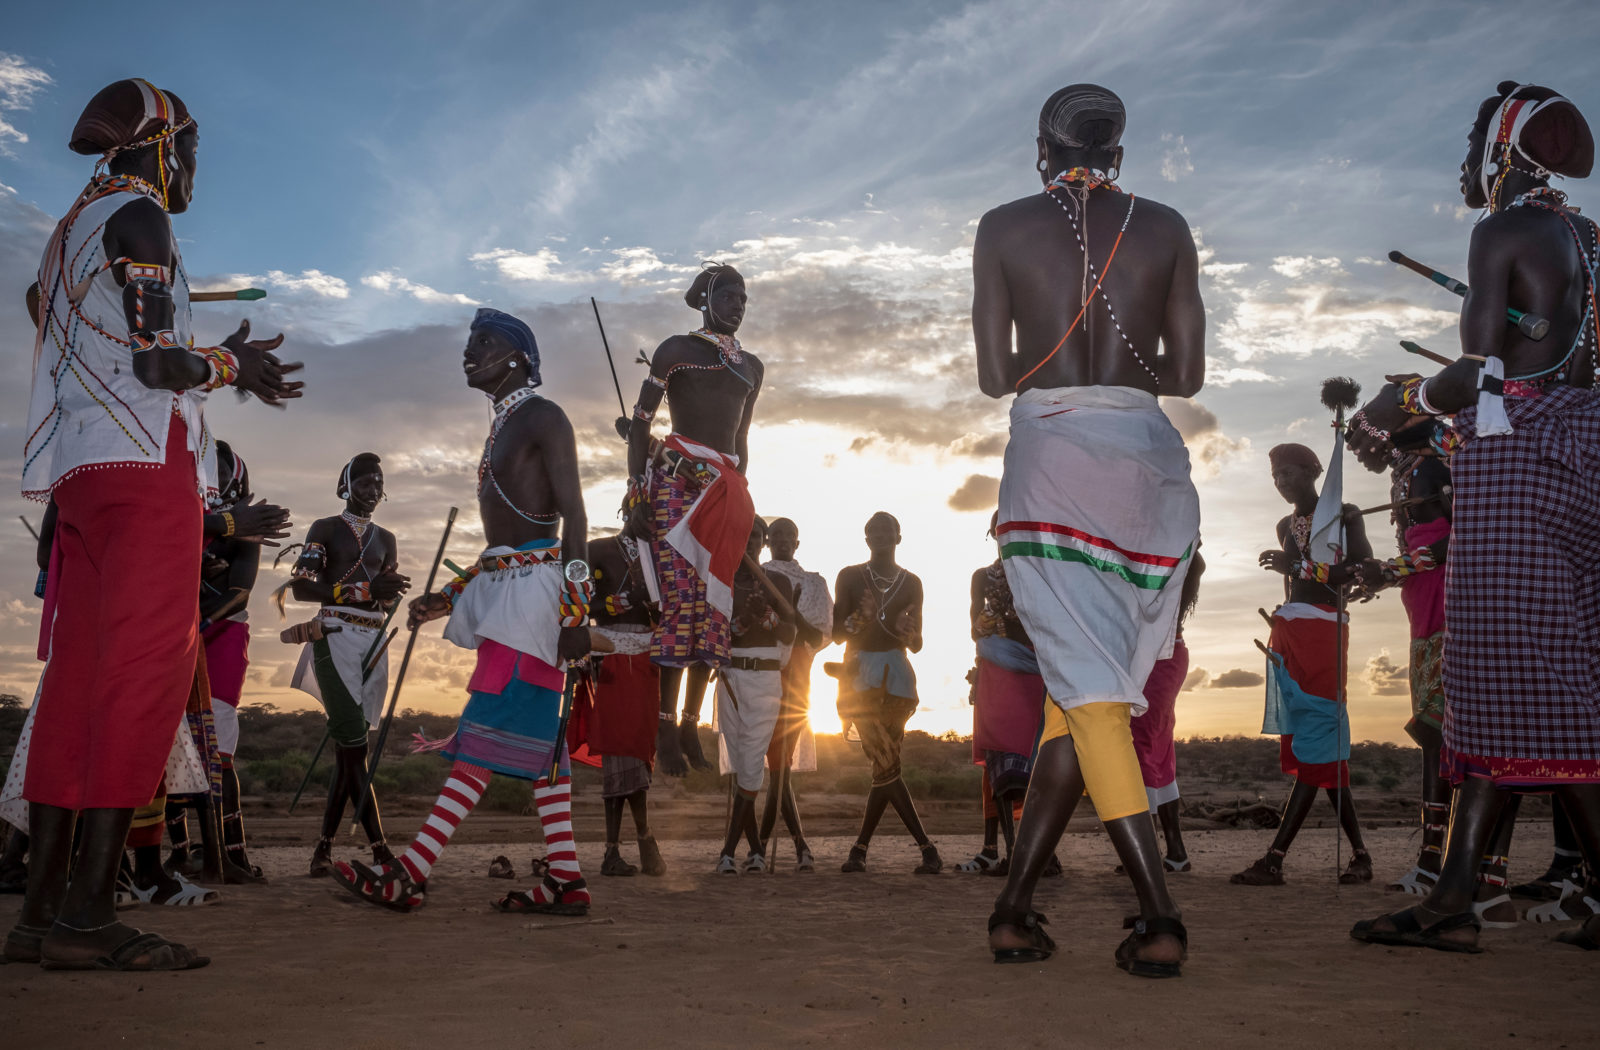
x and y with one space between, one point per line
884 959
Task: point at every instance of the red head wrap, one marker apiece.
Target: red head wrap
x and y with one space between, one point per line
1292 455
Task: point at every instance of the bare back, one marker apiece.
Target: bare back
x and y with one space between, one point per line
1028 273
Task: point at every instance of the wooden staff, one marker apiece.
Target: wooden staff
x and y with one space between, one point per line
1531 325
1439 359
771 588
405 662
248 295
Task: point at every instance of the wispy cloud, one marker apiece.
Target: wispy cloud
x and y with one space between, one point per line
389 281
19 83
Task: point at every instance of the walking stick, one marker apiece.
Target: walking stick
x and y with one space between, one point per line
307 778
405 661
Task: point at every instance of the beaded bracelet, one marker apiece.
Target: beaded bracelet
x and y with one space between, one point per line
452 590
616 604
1411 563
638 491
1444 441
350 593
224 366
572 603
1413 399
227 524
1317 571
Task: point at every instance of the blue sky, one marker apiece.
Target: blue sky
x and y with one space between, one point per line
381 169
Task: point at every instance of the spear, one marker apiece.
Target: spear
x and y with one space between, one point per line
248 295
1531 325
607 344
405 661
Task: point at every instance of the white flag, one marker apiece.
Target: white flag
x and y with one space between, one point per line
1327 521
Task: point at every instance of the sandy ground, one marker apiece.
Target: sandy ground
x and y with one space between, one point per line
886 959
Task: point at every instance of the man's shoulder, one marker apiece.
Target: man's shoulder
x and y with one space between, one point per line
323 526
539 413
1015 216
675 348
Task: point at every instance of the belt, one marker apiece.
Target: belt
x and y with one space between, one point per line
517 559
353 617
752 663
678 463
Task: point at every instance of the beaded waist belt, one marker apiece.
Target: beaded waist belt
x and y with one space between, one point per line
359 619
517 559
675 463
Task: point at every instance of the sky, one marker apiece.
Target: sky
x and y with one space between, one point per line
382 170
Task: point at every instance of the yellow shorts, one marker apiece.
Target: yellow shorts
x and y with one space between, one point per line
1103 739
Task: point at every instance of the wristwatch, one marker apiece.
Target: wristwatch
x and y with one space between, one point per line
576 571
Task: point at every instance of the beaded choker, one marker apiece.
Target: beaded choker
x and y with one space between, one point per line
1082 178
503 406
727 346
356 522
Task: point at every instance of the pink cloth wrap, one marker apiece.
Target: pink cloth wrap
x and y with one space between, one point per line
1423 594
227 647
1152 731
1008 712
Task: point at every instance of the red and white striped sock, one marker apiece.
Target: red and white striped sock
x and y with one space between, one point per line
461 792
555 815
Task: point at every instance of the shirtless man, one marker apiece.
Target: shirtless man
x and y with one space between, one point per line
1098 517
750 694
878 618
349 566
1523 617
1309 646
524 607
687 498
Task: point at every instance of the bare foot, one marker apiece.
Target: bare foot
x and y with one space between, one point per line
669 755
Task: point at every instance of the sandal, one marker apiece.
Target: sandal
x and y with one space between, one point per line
1144 929
141 953
321 859
1262 873
23 944
980 864
539 867
187 895
1177 867
500 868
1040 946
856 861
1003 869
612 865
650 861
1418 882
804 861
1359 869
1566 867
1409 932
726 865
932 863
755 864
1502 906
368 884
1575 904
521 902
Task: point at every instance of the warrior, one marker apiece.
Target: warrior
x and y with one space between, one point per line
523 605
116 436
1306 687
877 616
1098 517
614 714
1521 685
1008 704
794 749
1153 731
687 498
348 565
750 694
228 572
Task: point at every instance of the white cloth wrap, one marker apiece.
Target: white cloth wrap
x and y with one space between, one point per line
226 717
1107 463
745 729
348 647
13 807
186 770
72 421
627 639
515 607
815 604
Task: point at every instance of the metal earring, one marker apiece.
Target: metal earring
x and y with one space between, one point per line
1039 167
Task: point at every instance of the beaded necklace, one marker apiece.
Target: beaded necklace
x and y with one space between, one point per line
356 523
503 408
1300 527
358 527
729 353
885 590
1085 181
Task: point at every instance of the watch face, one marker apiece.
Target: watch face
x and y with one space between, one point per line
576 571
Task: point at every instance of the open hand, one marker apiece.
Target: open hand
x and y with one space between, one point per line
260 522
260 371
387 586
1275 561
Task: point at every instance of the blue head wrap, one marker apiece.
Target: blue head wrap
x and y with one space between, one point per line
515 330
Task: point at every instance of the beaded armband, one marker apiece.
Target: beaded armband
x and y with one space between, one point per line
572 603
660 384
223 364
1444 441
1316 571
638 491
452 590
1410 563
351 593
310 562
1412 397
166 339
644 415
